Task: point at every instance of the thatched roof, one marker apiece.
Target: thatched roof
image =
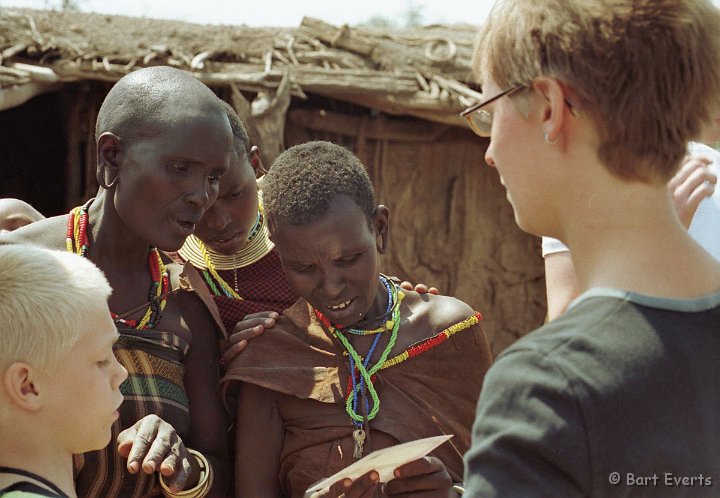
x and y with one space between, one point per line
424 72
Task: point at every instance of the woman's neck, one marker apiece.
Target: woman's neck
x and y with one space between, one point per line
112 244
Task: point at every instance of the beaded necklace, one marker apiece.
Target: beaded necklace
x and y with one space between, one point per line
224 287
77 242
359 366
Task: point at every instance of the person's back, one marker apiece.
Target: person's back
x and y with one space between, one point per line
627 386
624 385
60 387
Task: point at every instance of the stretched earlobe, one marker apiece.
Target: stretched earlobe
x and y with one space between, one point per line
101 178
381 225
108 148
256 162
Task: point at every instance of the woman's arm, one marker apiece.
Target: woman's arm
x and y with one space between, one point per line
259 443
208 423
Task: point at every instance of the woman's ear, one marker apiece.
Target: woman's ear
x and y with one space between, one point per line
108 150
256 162
554 107
381 225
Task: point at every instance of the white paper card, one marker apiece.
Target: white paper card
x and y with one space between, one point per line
384 462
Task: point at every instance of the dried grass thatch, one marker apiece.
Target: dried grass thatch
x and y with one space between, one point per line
423 72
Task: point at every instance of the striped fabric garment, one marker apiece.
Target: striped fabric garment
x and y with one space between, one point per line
154 361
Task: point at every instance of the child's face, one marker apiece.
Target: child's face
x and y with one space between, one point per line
83 392
167 182
517 150
227 223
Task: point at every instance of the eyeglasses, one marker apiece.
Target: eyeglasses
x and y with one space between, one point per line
480 120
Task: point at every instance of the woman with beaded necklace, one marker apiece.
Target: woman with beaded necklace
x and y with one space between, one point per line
231 247
163 142
301 414
232 250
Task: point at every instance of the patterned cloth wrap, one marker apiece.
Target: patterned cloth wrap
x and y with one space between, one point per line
262 286
155 364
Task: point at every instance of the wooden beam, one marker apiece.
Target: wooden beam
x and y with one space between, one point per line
14 96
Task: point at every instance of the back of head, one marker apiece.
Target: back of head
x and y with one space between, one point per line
241 140
141 103
646 71
304 179
45 296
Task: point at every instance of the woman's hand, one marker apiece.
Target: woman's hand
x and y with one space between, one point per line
152 445
422 478
249 327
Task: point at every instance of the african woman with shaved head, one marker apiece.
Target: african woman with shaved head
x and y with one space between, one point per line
163 141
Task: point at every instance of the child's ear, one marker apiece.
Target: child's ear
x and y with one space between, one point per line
20 383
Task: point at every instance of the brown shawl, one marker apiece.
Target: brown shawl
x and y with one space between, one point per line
431 394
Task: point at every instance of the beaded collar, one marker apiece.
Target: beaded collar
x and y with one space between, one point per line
77 242
258 246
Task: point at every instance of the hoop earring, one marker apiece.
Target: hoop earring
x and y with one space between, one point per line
548 141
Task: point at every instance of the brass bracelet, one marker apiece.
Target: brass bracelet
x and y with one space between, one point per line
201 489
458 488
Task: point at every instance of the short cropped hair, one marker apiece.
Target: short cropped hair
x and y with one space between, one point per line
45 296
141 102
305 178
241 140
646 71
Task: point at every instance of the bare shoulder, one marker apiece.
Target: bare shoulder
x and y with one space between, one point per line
438 312
50 233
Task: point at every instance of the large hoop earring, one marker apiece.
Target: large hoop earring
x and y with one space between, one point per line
101 179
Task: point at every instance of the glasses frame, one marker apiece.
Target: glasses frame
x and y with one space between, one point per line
468 113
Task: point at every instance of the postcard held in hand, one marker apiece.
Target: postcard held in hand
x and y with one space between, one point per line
383 461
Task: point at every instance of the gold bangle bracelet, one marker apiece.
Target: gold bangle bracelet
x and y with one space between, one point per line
201 489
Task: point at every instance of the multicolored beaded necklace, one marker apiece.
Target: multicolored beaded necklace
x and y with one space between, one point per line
77 242
360 376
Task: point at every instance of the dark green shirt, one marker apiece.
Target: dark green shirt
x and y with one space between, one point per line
619 397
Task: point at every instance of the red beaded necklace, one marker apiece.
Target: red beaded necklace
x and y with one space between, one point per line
77 242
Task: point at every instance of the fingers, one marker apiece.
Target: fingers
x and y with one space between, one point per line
364 486
177 468
419 288
248 328
148 443
252 326
423 477
136 441
690 185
